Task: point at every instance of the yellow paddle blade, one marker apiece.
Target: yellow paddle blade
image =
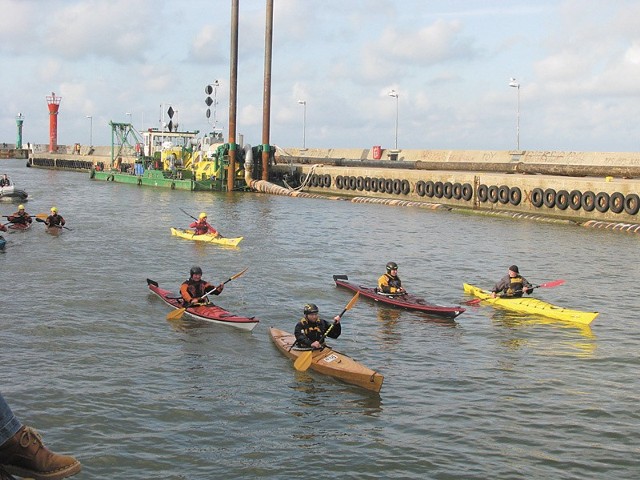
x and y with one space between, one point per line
238 274
303 362
353 301
176 314
42 216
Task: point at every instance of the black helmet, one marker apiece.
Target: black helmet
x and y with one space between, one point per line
392 266
310 308
195 271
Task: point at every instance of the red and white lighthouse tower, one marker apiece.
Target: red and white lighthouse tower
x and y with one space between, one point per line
54 104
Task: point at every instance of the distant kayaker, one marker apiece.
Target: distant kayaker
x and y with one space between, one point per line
4 181
21 217
512 285
195 290
54 220
202 227
311 330
390 282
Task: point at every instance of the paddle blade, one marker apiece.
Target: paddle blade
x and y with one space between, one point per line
237 275
303 362
475 301
351 303
550 284
176 314
41 220
42 216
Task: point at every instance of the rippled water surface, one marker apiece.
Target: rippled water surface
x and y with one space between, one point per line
89 359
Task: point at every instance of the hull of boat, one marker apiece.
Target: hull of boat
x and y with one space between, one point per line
329 362
12 194
533 305
407 301
18 227
207 313
208 238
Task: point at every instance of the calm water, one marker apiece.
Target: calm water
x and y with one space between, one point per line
89 359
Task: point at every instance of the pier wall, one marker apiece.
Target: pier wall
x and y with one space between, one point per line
581 187
576 186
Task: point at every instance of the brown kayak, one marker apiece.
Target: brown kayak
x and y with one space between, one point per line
330 362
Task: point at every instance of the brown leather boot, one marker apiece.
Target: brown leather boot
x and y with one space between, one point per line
25 455
4 475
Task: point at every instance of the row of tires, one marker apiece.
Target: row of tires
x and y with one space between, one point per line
588 201
550 198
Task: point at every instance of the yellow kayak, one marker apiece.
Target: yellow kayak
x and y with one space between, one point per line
190 235
533 305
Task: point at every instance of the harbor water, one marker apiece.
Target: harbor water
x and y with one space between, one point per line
89 359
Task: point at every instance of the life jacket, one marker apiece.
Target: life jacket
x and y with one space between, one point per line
20 218
54 220
392 282
313 331
515 287
196 288
201 228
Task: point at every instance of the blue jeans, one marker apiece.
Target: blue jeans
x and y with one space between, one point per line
9 424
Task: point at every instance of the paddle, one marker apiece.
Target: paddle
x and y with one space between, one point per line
303 362
176 314
555 283
187 214
196 219
38 219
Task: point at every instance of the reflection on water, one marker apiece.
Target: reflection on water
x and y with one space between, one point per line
560 337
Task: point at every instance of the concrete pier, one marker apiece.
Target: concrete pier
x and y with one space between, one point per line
595 189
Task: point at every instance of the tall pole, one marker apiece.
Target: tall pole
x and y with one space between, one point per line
90 130
266 101
515 84
304 123
393 93
233 95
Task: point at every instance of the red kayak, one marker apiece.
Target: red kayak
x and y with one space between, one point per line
19 227
407 301
208 313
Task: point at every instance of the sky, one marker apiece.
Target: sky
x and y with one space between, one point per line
577 64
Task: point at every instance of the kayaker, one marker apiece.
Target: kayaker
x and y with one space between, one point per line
512 285
4 181
21 217
54 220
390 282
195 290
22 452
202 227
311 330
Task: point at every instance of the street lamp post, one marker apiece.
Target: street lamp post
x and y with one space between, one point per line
515 84
394 94
304 123
90 130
